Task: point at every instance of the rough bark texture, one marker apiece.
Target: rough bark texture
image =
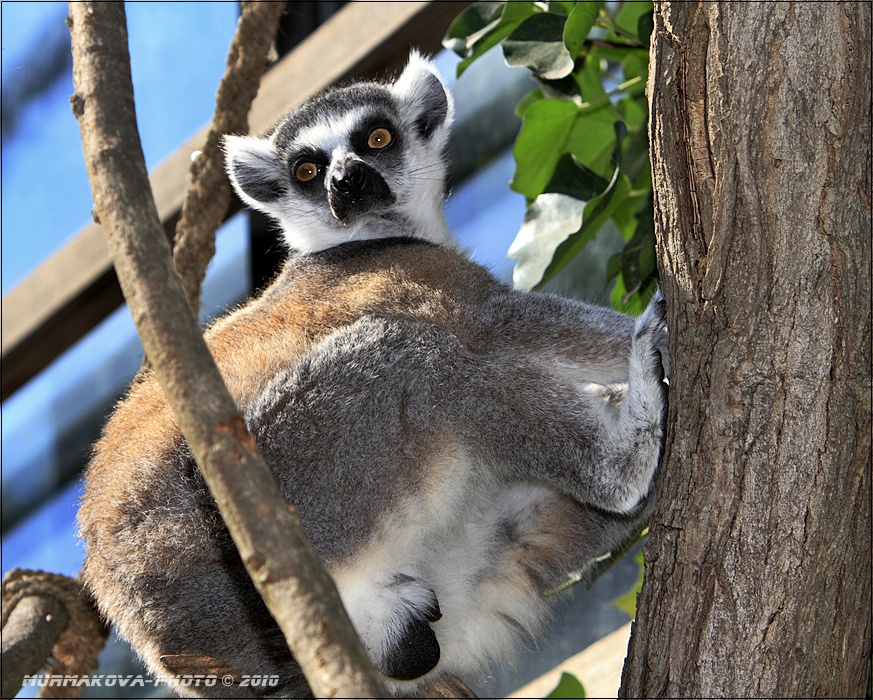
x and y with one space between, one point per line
209 193
758 571
284 567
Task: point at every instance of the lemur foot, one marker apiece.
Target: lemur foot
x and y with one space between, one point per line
413 649
651 328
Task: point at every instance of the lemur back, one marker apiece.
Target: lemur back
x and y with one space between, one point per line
455 447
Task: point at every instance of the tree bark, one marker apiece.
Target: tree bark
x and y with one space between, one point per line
285 569
758 567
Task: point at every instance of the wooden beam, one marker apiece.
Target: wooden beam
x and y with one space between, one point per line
598 667
75 288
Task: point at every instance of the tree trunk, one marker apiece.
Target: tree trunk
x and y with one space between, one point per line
758 571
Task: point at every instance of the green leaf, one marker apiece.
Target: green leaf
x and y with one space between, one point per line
556 228
552 218
511 15
568 687
546 127
629 14
564 88
626 217
595 215
633 112
635 64
579 23
633 303
592 138
469 26
548 221
628 601
575 180
560 222
636 262
635 159
620 132
590 78
538 43
645 27
612 52
613 267
561 7
526 101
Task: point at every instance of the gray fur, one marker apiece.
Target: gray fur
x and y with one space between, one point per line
455 448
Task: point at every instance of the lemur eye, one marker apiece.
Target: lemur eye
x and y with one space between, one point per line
306 171
379 138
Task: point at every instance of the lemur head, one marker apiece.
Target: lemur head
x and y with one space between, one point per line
354 163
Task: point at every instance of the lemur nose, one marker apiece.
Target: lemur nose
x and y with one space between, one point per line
356 189
351 177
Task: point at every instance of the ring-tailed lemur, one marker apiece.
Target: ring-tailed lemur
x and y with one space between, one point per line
454 447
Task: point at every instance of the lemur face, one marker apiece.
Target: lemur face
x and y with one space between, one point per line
338 158
360 162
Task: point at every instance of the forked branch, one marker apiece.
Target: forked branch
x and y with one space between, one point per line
209 194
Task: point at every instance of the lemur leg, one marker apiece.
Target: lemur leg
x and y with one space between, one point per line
629 453
550 419
640 427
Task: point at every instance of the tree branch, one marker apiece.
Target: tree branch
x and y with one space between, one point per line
286 570
209 193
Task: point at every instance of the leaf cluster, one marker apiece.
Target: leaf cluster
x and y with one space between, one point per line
582 154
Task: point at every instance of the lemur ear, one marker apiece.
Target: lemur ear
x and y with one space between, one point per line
426 98
254 170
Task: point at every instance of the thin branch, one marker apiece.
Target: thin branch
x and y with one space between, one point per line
286 570
209 193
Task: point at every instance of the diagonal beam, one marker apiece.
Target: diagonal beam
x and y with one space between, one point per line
76 288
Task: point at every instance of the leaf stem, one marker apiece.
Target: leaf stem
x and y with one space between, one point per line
604 99
606 22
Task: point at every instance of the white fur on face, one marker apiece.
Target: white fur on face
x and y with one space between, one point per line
417 185
329 133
